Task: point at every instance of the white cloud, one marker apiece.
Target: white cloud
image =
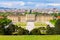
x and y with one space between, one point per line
40 5
47 4
30 2
54 4
22 3
6 4
11 4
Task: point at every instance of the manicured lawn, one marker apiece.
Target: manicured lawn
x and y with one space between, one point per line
31 37
22 24
38 24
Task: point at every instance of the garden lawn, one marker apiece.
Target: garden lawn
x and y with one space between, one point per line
39 24
31 37
22 24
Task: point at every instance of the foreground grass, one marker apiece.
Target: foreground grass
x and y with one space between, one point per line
31 37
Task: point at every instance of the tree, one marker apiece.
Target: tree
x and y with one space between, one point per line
3 23
22 31
50 30
26 32
57 27
54 14
42 30
35 32
11 28
4 14
2 30
26 12
58 14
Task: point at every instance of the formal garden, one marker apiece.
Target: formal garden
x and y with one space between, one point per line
8 28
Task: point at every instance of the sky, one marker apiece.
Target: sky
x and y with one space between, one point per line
30 3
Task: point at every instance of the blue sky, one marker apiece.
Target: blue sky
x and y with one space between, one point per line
30 3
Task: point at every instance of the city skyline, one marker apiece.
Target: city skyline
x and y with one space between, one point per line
30 3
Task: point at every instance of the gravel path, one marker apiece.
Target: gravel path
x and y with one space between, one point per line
30 26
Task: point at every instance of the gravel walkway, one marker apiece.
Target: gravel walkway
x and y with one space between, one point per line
30 26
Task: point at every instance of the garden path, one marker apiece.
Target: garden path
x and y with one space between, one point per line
30 26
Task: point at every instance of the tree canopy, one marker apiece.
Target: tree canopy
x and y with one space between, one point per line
5 21
57 27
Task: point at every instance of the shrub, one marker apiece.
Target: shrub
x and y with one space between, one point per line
2 30
57 27
21 31
50 30
35 32
42 30
11 28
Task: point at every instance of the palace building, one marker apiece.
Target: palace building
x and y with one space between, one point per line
29 17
